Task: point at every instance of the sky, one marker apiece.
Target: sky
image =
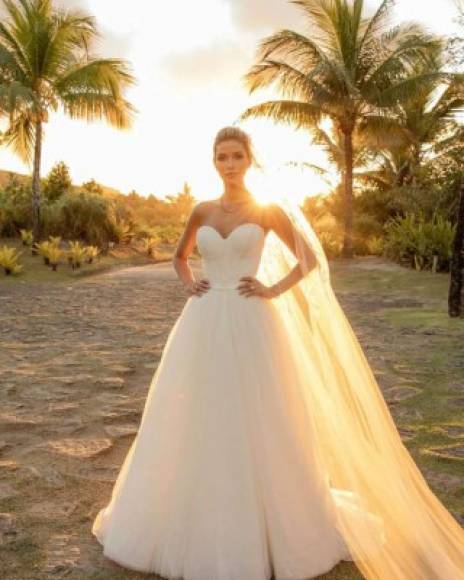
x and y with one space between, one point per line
189 59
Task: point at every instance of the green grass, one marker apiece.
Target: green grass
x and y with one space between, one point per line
424 348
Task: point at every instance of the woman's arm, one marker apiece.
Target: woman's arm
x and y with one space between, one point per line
184 248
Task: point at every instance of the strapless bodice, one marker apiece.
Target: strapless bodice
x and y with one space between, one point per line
226 260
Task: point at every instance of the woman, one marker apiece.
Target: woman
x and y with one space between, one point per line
265 447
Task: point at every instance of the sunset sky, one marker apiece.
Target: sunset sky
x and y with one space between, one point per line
189 59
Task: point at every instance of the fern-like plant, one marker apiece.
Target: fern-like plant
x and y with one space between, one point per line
149 244
54 255
26 237
76 254
43 248
9 260
91 253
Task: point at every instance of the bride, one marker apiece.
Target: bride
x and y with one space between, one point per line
265 447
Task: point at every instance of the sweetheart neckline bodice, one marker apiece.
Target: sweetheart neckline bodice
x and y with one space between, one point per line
234 230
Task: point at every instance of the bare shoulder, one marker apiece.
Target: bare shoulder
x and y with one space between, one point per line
275 216
200 211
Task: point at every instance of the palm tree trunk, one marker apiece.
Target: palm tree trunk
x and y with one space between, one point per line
347 251
456 289
36 217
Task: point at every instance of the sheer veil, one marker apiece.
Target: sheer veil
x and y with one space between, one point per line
393 524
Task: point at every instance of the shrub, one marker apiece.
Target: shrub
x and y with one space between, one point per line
91 253
420 243
15 206
76 254
149 244
83 216
43 248
9 260
331 244
54 255
26 237
375 245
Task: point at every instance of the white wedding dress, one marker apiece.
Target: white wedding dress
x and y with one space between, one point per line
222 481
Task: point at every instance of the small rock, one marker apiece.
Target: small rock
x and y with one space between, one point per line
79 448
112 382
105 474
124 430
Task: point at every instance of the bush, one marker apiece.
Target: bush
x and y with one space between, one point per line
26 237
375 245
15 207
414 241
9 260
76 254
84 216
331 244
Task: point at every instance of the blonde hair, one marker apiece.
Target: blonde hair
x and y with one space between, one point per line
236 134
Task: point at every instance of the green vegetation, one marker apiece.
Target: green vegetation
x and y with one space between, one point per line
47 63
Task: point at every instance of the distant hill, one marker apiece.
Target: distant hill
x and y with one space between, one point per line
5 176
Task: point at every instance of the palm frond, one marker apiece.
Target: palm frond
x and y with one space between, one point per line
14 96
293 46
298 114
20 136
451 101
398 50
90 107
81 87
320 18
407 88
291 81
8 40
303 53
375 26
382 132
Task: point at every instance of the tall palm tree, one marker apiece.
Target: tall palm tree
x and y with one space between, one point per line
45 65
349 68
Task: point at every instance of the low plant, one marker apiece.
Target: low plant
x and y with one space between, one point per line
9 260
375 245
26 237
43 248
420 243
55 254
91 253
76 254
149 244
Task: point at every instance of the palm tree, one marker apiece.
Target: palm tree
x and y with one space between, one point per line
431 132
46 64
349 68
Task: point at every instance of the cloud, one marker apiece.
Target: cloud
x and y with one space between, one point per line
264 15
221 64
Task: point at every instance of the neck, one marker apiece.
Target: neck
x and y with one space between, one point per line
235 192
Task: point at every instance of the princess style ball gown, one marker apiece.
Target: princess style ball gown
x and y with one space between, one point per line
265 448
223 480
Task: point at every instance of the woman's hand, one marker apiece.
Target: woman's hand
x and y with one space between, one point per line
250 286
195 288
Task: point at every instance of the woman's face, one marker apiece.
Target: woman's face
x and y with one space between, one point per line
231 161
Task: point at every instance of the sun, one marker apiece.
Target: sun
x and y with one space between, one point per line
289 164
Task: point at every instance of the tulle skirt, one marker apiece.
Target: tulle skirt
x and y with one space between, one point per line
223 480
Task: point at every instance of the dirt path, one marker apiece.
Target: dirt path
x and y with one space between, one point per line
75 367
